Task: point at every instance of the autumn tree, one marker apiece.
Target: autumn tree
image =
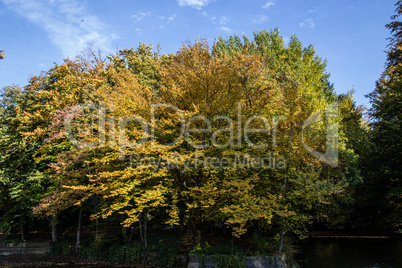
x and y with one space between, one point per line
302 77
215 89
51 96
87 132
244 133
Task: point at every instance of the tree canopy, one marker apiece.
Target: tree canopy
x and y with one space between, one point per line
245 135
384 187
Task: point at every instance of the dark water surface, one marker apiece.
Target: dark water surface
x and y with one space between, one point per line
317 253
39 261
352 253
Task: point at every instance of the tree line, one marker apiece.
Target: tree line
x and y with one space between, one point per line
235 136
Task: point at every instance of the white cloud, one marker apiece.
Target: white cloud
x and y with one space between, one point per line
258 19
138 31
171 18
323 12
223 20
168 19
226 29
307 23
212 18
114 36
198 4
141 15
68 24
269 4
310 23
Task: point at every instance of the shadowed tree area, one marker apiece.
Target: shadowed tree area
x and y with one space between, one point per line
380 196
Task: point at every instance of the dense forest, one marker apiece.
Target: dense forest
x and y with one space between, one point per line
243 140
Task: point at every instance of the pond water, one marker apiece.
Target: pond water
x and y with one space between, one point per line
60 265
39 261
317 253
351 253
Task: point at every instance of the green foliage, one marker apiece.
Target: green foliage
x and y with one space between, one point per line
44 169
200 249
22 182
260 246
161 252
312 191
225 261
383 170
63 247
226 248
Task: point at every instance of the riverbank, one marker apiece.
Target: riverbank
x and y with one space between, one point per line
163 250
317 252
33 261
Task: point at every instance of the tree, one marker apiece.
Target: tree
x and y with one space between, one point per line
50 97
214 89
301 75
213 135
114 91
22 182
385 171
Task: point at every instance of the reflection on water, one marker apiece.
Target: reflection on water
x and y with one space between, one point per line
59 265
29 261
352 253
318 253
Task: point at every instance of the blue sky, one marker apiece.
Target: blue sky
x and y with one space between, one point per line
351 35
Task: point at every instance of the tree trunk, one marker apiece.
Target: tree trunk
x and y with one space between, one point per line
281 244
282 228
78 244
145 232
22 230
54 229
130 238
96 219
190 229
181 216
141 236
